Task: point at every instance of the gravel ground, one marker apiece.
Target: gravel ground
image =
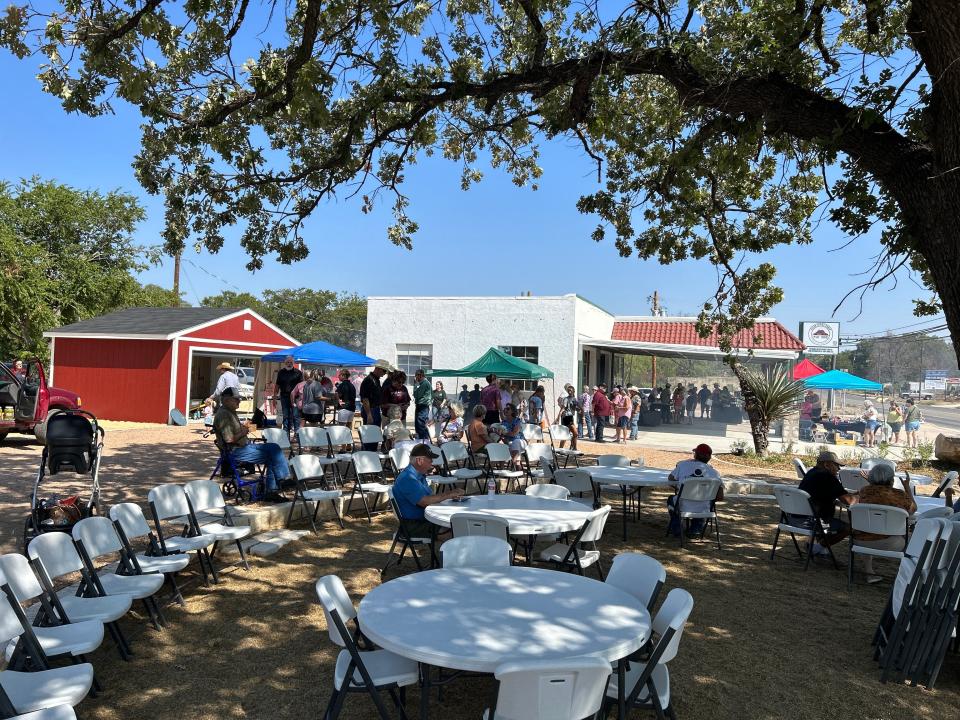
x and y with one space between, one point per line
765 640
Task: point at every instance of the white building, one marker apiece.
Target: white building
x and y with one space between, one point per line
579 341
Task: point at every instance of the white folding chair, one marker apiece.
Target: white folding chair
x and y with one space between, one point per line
640 575
456 461
871 462
372 434
476 551
204 496
369 671
279 437
799 467
613 461
340 437
399 459
313 439
932 513
55 633
56 556
853 480
531 433
60 712
130 524
96 537
797 517
878 520
29 692
306 468
649 681
168 503
547 491
579 484
574 556
539 461
698 490
561 433
949 481
366 464
500 465
406 540
467 524
567 689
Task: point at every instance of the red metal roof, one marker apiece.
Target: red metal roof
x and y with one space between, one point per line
773 335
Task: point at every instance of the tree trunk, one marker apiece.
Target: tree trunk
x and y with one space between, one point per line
759 424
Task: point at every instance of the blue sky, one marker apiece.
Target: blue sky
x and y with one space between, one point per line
495 239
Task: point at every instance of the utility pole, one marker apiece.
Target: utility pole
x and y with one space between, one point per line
655 311
176 278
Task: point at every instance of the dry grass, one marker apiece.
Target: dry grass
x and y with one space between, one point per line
765 640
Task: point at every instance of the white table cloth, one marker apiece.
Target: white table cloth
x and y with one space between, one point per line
525 514
478 618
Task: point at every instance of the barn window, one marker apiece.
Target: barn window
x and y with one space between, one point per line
247 324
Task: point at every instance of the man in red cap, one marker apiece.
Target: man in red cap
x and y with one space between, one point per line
699 467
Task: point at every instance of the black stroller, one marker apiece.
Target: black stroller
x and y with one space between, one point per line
74 444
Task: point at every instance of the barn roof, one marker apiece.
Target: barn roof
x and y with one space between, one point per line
145 322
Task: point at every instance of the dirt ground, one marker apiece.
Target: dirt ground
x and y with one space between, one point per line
765 639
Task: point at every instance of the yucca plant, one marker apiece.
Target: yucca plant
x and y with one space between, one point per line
767 397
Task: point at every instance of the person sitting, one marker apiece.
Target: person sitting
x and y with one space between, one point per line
822 484
451 426
477 431
413 493
233 438
395 431
513 433
880 491
696 468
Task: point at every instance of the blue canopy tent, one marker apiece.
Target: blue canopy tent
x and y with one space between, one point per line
321 353
839 380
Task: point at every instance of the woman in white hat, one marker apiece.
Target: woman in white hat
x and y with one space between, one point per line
870 422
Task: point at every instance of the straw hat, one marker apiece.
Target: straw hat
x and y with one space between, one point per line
224 366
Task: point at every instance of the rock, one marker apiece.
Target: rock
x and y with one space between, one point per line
947 447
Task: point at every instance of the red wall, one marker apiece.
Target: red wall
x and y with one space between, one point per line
116 379
233 331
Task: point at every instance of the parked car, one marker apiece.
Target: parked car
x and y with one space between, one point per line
247 377
31 400
916 395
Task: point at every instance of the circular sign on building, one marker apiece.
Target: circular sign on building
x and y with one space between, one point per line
820 338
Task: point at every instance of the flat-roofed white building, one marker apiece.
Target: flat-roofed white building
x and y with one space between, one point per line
579 341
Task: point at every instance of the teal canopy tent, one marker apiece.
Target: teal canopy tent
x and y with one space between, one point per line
500 364
839 380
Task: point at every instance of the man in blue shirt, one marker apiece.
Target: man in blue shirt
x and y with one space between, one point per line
413 493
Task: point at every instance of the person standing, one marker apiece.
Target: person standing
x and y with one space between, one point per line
536 405
228 379
346 399
439 410
311 399
585 416
912 420
288 377
895 421
474 398
702 397
422 401
601 408
490 397
371 395
464 396
621 410
635 407
870 422
691 403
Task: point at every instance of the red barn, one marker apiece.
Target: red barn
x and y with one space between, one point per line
139 364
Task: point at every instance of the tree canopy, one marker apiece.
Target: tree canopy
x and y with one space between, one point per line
720 129
66 255
308 315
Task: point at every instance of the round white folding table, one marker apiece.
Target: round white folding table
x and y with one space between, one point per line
525 514
475 619
629 477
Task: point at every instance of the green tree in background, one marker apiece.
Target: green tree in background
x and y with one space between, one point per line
307 315
66 255
898 359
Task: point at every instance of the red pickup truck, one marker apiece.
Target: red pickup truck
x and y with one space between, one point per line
26 400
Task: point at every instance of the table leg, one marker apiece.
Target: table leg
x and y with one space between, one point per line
424 691
621 690
623 490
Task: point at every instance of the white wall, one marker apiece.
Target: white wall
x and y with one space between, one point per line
595 323
461 329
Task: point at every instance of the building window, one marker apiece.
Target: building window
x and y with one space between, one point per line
530 353
411 358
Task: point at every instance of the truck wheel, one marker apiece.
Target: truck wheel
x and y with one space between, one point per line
3 436
40 429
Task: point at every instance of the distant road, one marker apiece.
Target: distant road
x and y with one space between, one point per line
947 418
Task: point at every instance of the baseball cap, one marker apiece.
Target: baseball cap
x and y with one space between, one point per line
422 450
703 449
230 392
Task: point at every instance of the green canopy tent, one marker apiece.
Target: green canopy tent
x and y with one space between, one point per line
500 364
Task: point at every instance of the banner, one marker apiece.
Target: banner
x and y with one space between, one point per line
820 338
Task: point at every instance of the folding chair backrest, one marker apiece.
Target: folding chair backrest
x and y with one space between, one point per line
367 462
792 500
478 524
640 575
853 481
568 689
56 553
871 462
10 626
497 452
18 574
937 512
454 452
276 435
927 530
98 536
560 433
949 481
799 467
699 489
531 433
547 491
597 520
576 481
673 616
613 461
539 454
333 596
475 551
204 495
400 457
340 435
313 437
878 519
370 434
902 582
169 501
306 467
130 518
